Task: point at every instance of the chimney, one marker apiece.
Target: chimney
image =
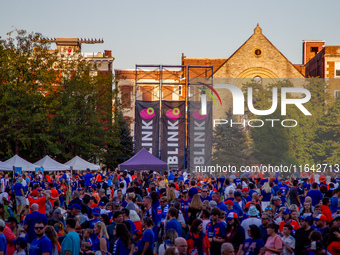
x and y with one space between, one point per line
107 53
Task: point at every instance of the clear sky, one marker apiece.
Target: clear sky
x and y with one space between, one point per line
159 31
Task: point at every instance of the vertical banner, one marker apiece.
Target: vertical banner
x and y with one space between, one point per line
147 126
200 136
173 133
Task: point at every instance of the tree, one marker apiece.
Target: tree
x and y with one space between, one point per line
271 143
50 103
24 78
230 144
120 147
328 136
303 138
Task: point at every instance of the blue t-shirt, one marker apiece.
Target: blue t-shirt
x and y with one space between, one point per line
87 179
3 244
40 246
238 209
251 192
148 236
283 199
238 181
275 189
193 191
283 189
222 207
30 220
334 204
206 198
120 248
263 181
174 224
316 196
252 246
71 243
266 196
17 189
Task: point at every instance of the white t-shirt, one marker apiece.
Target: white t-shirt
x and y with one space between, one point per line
291 243
2 196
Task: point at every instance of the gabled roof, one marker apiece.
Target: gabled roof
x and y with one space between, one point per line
257 31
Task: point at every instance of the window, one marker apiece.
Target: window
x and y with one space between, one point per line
258 79
147 92
126 96
336 94
180 91
167 92
337 70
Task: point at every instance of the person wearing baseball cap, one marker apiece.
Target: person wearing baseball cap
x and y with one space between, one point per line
96 218
320 223
20 245
235 233
287 219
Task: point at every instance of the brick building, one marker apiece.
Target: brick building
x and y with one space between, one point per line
256 59
324 62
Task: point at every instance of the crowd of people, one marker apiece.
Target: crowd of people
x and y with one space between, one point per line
176 212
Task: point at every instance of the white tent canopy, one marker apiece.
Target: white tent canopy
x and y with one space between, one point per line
50 164
20 162
77 163
5 167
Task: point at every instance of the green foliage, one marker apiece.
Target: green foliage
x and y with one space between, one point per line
328 136
230 144
49 104
120 147
307 143
271 144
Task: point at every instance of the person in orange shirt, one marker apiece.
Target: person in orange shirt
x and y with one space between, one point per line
54 193
36 198
326 203
288 220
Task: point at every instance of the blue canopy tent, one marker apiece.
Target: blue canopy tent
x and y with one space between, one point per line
144 160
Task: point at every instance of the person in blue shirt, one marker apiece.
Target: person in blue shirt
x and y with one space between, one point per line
3 241
239 199
216 232
41 244
87 178
283 187
172 175
315 194
252 189
173 222
19 195
150 212
162 211
335 201
252 245
30 221
275 187
146 244
71 242
217 198
123 243
204 194
74 184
